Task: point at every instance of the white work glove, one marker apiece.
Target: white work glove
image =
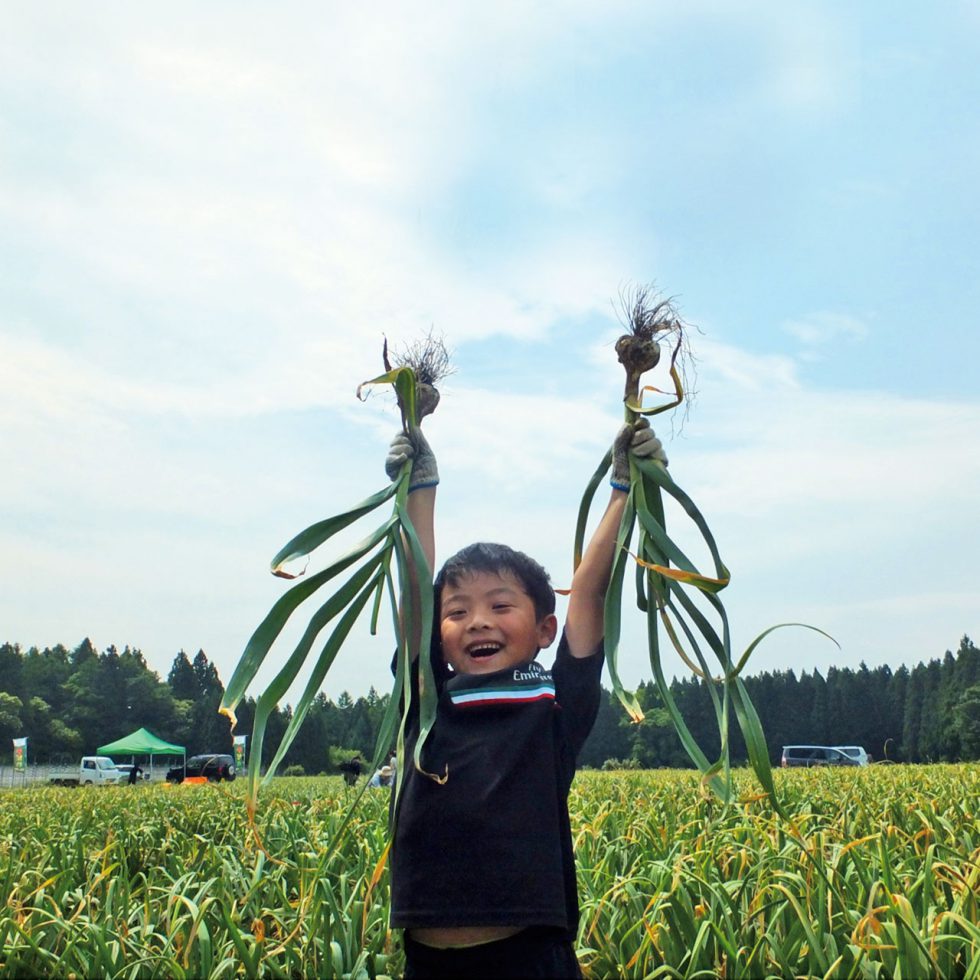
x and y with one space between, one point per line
425 473
637 439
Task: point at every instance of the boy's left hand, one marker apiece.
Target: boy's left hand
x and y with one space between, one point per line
638 439
425 472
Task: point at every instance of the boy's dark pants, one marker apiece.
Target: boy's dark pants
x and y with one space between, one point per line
531 953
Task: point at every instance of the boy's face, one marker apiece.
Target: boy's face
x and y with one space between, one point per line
488 623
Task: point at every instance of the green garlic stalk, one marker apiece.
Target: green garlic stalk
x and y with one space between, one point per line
369 578
665 576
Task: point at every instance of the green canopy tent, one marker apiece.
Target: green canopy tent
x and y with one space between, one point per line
142 742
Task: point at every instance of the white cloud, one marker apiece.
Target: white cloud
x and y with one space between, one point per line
736 370
820 329
215 219
769 442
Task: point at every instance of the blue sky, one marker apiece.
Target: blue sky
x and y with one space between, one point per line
209 220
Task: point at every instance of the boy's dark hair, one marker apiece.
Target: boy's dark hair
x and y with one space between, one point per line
497 558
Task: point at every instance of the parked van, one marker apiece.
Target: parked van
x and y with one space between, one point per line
815 755
855 752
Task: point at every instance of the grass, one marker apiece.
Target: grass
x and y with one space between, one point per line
875 875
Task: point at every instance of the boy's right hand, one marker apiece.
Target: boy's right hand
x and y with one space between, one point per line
425 472
636 439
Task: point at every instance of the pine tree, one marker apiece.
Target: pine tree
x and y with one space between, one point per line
83 653
932 720
211 732
914 694
966 713
182 679
895 747
819 733
11 666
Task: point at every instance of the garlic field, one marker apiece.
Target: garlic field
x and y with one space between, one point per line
876 874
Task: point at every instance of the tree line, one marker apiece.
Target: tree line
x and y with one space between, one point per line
930 713
68 702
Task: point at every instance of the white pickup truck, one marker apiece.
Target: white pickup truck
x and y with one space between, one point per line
93 770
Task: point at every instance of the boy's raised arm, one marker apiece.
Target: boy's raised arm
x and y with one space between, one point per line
420 505
421 512
584 624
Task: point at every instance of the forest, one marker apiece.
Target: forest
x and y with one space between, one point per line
69 701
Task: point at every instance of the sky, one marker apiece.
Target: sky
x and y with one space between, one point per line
210 219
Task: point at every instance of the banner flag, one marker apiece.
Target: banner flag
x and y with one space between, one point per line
20 754
240 752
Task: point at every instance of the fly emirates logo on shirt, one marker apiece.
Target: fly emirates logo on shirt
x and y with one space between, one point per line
523 685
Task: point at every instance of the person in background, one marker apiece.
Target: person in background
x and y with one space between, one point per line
383 777
351 769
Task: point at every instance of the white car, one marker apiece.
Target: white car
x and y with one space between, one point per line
855 752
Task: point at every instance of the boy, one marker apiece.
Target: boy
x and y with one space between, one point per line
482 867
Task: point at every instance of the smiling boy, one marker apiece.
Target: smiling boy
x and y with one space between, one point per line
482 866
